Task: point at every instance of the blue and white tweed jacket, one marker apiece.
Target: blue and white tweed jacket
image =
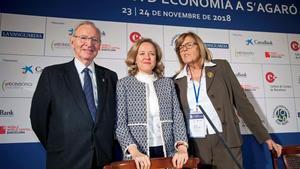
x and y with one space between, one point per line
131 125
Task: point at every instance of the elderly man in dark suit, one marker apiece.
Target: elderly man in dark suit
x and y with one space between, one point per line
73 107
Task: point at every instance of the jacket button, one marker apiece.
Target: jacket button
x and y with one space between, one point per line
212 96
218 109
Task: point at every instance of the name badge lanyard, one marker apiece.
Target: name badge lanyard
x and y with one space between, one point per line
196 93
196 122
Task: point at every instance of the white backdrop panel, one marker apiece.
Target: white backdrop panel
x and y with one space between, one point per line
16 126
250 78
281 115
22 34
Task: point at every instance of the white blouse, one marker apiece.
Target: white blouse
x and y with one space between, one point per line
153 117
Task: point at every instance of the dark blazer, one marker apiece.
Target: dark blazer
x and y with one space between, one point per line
61 119
226 95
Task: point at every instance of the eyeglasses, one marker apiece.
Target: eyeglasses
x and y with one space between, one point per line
188 45
84 39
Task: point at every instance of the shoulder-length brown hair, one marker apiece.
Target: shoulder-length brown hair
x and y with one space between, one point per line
132 53
205 53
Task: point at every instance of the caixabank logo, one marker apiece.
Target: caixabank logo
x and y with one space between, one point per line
252 42
281 115
31 69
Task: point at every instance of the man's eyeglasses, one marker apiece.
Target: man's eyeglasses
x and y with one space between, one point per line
188 45
84 39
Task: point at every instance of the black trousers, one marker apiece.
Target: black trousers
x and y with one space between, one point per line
156 152
94 162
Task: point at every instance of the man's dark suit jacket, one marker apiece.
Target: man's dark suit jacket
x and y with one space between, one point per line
61 119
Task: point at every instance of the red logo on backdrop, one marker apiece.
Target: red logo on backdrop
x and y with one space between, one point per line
268 55
270 77
295 45
2 129
134 36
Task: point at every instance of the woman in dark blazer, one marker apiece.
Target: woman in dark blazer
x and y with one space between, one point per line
149 120
213 85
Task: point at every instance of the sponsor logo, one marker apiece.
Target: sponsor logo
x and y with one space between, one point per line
173 39
281 115
110 48
242 75
29 35
15 85
70 31
273 55
13 130
57 23
103 33
59 45
270 77
250 88
2 129
295 46
135 36
237 34
31 69
4 113
27 69
244 53
9 60
217 45
251 41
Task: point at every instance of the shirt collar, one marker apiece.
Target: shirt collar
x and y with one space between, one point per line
79 66
184 72
145 77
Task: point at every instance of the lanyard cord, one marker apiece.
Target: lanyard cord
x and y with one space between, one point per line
197 93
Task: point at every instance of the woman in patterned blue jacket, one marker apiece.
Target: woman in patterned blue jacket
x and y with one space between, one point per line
149 120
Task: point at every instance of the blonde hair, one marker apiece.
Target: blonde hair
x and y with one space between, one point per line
204 52
132 53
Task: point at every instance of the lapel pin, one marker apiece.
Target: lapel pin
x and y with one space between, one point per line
210 74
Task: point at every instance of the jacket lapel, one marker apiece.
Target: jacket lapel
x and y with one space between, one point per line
74 84
101 90
182 85
210 74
